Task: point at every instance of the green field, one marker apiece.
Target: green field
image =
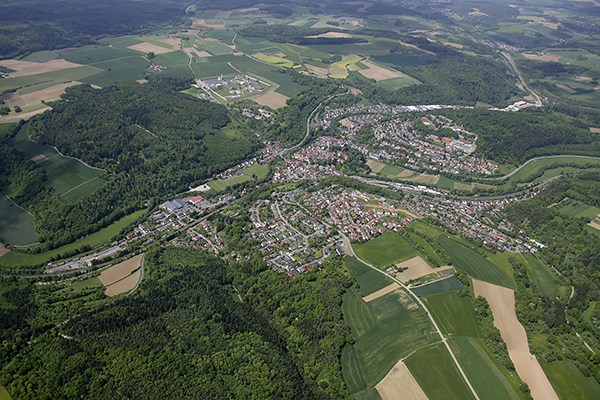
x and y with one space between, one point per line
368 279
65 175
102 236
129 68
385 249
58 77
16 225
287 86
393 304
351 371
371 394
380 348
121 42
358 314
485 376
453 313
437 374
534 166
568 381
220 186
443 286
445 183
258 171
391 170
540 274
94 54
4 394
475 265
576 209
397 83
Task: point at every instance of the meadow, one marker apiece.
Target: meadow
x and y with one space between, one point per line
367 278
543 277
568 381
436 373
576 209
386 249
534 167
94 54
358 314
453 313
16 225
258 171
446 285
485 376
128 68
474 264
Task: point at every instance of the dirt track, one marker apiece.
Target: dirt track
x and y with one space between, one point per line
502 303
400 384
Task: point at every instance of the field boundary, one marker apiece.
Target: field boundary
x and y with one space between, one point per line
9 199
72 158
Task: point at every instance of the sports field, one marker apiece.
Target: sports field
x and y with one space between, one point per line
454 314
388 248
475 265
16 225
436 373
369 280
485 376
358 314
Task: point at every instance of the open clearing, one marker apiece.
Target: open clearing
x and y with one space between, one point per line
502 304
49 66
48 94
274 100
545 57
378 73
123 285
381 292
149 47
121 270
399 384
417 268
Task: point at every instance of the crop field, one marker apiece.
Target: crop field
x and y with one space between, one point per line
351 371
358 314
393 304
386 249
542 275
399 384
475 265
533 167
437 374
122 42
102 236
347 59
569 382
380 348
57 77
371 394
426 229
4 394
124 285
446 285
120 270
93 54
577 209
16 225
130 68
485 376
287 87
274 60
213 46
247 64
453 313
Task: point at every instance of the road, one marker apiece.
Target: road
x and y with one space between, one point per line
538 102
348 245
532 160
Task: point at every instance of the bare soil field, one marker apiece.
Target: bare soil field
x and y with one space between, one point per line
48 94
426 179
417 268
381 292
142 81
124 285
3 250
331 35
520 86
40 158
223 14
12 100
149 47
18 65
274 100
399 384
502 304
355 91
378 73
49 66
529 98
120 271
596 221
199 23
583 79
545 57
171 42
551 25
565 87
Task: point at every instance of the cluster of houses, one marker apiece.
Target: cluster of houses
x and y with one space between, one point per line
320 150
294 170
156 68
236 170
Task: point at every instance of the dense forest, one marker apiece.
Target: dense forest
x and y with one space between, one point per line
295 34
186 333
152 140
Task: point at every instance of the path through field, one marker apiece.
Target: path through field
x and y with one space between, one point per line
502 303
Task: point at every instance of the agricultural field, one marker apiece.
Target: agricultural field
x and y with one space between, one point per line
568 381
351 370
358 314
442 286
386 249
399 384
543 277
436 373
4 394
485 376
576 209
271 59
69 177
258 171
474 264
533 167
120 271
369 280
16 224
393 304
124 285
453 313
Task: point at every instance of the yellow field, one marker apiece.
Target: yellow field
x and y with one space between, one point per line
346 60
273 60
121 270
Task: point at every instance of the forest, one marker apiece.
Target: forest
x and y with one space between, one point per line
295 34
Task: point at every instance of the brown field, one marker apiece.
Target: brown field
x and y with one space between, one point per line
381 292
595 223
203 53
48 94
175 43
142 81
12 99
331 35
124 285
223 14
520 86
321 72
583 78
545 57
49 66
551 25
95 86
3 250
417 268
199 23
17 65
529 98
40 158
355 91
594 130
565 87
338 72
502 304
378 73
375 166
399 384
274 100
426 179
458 46
149 47
120 271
